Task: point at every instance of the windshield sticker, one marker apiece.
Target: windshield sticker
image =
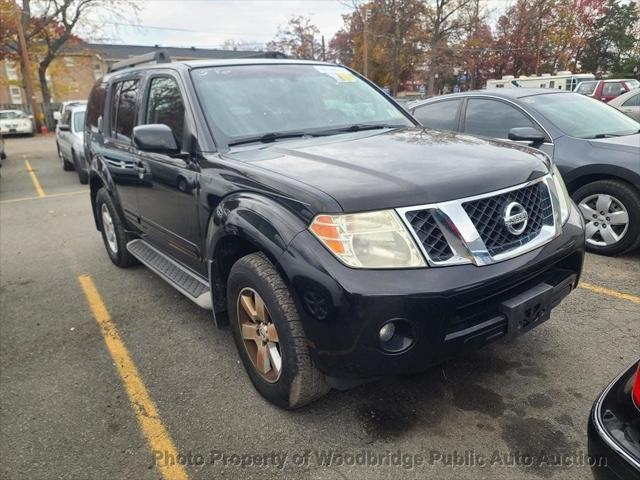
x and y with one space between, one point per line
338 74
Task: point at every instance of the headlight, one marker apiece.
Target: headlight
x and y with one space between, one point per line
564 200
368 240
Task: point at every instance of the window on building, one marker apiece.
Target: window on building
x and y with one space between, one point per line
492 118
16 95
11 70
97 70
165 105
69 62
441 115
123 109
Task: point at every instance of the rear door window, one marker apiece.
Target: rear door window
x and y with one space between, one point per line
95 107
492 118
612 89
441 115
123 109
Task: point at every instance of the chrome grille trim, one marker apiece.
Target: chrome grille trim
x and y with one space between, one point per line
463 237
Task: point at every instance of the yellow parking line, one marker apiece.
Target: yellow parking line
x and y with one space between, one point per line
34 179
610 293
51 195
144 408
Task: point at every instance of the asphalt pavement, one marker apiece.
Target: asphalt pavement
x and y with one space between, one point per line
508 411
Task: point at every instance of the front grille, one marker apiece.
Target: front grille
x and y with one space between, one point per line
430 235
487 216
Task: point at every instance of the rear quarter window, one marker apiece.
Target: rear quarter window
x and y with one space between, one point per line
95 107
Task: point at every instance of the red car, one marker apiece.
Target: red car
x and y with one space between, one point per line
606 90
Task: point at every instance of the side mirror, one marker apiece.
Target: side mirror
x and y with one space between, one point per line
527 134
63 127
57 116
155 137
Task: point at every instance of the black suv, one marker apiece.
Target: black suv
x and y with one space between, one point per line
302 205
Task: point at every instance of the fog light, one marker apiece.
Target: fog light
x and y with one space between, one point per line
386 332
396 335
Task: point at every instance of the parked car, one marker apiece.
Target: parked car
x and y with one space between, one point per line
606 90
58 114
341 240
15 122
628 103
69 141
614 428
596 148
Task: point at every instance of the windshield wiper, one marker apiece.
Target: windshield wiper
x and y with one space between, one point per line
357 127
269 137
609 135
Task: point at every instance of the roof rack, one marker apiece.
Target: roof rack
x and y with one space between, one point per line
160 56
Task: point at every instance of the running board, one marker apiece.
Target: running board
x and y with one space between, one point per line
191 285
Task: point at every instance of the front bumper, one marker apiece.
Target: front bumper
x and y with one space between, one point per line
614 432
449 308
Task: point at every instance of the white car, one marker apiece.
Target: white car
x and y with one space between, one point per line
15 122
69 133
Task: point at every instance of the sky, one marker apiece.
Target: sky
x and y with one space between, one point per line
208 23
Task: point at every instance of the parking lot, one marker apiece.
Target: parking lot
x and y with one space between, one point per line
110 373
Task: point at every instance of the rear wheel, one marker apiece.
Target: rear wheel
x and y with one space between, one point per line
66 166
83 176
113 231
269 335
611 212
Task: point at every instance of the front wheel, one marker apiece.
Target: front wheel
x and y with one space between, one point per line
269 336
611 212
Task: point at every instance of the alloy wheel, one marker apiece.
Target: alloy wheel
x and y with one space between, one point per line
606 219
259 335
109 228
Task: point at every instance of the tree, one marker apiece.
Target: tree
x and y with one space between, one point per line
614 45
49 24
299 39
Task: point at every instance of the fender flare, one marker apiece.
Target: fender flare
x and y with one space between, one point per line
99 177
251 222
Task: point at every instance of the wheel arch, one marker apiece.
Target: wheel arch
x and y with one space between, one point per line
582 176
244 223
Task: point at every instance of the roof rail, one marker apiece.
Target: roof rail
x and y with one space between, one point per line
159 56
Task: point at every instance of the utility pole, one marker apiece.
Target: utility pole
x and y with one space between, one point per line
365 34
26 67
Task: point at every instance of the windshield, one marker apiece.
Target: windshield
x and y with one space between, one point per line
582 117
78 121
632 84
11 115
253 100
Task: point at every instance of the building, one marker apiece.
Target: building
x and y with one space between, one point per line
72 74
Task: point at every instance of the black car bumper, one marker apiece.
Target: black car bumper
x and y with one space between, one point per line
446 309
614 432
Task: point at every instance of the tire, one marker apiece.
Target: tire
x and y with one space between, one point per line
624 198
298 381
83 176
116 242
66 166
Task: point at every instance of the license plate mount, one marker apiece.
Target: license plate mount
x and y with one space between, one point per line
527 309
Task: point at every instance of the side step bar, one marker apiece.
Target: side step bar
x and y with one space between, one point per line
191 285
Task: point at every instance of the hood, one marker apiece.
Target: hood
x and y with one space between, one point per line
627 143
397 168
